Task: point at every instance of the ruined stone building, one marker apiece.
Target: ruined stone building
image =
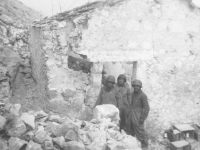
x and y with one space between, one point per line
56 64
163 39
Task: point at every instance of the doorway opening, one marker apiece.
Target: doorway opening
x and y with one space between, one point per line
129 69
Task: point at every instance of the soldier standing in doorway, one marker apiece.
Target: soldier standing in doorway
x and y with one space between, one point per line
138 113
109 93
125 92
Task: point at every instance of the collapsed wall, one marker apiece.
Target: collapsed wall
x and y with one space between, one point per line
73 81
16 82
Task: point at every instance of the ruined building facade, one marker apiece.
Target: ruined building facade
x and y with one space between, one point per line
69 51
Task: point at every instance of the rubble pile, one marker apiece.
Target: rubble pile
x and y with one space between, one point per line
37 130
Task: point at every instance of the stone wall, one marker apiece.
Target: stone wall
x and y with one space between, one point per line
163 36
73 81
38 66
16 82
170 30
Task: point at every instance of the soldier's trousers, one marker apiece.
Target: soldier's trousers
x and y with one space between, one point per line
123 119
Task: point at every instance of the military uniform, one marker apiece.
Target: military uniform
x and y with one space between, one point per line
125 93
109 95
138 113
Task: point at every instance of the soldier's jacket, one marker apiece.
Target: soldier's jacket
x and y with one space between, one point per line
140 101
111 96
125 93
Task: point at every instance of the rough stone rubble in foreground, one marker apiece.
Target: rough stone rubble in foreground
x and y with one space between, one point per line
37 130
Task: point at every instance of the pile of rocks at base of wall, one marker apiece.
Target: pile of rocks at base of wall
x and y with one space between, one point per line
42 131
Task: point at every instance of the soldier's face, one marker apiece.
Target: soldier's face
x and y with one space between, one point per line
136 88
110 84
121 81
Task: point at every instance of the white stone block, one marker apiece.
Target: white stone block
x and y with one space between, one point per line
124 14
133 25
105 13
15 109
106 111
2 122
147 45
192 28
61 24
50 62
96 79
96 68
157 11
116 24
162 25
192 57
62 40
186 53
147 25
16 143
196 2
176 27
28 119
132 44
178 64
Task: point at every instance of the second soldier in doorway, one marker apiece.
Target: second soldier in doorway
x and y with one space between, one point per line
125 92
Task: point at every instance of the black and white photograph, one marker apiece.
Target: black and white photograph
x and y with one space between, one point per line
99 74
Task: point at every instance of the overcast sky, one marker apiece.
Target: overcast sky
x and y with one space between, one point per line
49 7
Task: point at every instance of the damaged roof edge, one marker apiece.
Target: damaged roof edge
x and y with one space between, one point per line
76 12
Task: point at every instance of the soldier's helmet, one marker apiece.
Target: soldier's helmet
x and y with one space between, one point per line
137 82
110 79
122 76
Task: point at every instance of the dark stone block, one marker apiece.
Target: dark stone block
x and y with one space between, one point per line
106 147
78 64
67 94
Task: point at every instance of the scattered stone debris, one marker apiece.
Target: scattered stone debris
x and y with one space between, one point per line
26 131
102 132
